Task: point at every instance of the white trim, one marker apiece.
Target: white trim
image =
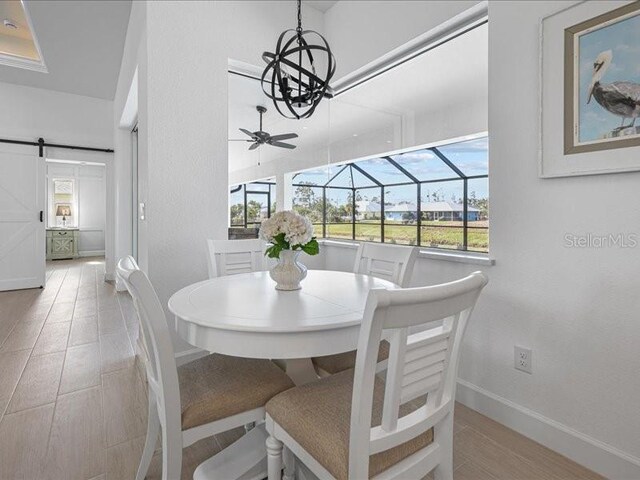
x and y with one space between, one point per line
444 32
594 454
76 162
91 253
245 69
26 63
472 258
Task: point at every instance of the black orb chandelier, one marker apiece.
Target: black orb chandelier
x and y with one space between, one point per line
290 78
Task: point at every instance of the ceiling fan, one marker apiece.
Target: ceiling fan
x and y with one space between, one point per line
263 138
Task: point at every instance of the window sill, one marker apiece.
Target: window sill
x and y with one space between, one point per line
473 258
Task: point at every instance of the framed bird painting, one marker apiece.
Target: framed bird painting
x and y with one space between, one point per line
590 76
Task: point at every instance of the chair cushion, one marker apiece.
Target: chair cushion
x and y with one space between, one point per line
218 386
344 361
318 415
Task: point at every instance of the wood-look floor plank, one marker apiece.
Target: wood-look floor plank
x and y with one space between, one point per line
83 330
53 338
497 460
23 336
115 351
61 312
81 368
125 406
23 442
85 307
39 382
471 471
11 366
76 445
524 446
123 459
108 300
3 406
110 321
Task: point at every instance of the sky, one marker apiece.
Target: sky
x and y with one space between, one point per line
470 157
623 39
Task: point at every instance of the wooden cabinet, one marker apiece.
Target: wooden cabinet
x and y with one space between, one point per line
62 243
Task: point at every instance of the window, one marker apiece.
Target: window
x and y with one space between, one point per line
251 203
433 197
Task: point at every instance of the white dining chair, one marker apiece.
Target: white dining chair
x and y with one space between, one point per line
354 425
204 397
389 262
230 257
142 352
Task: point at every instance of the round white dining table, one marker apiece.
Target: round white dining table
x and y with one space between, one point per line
244 315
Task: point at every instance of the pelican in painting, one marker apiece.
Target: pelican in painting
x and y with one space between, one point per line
620 98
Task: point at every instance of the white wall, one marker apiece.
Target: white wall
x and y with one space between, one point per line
90 205
122 173
28 113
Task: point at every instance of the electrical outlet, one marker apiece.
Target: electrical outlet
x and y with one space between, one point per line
523 359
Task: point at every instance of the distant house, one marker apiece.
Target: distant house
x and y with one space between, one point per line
448 211
400 211
407 211
366 210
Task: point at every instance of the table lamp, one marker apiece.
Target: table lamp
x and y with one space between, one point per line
63 211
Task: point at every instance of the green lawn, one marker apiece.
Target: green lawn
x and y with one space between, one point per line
433 234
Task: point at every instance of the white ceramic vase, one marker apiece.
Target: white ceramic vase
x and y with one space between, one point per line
288 272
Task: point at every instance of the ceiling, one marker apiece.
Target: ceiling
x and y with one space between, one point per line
322 5
385 113
81 43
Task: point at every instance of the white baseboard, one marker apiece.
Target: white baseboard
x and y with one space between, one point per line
91 253
594 454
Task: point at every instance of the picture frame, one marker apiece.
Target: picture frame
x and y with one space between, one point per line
576 137
63 187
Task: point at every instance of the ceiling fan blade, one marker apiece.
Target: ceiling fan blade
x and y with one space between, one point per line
247 132
282 145
239 140
254 146
284 136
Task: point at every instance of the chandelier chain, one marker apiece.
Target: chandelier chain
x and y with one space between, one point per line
299 29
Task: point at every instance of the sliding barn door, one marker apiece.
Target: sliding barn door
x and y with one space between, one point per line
22 228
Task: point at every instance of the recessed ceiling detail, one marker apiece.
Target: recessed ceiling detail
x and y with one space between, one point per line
18 42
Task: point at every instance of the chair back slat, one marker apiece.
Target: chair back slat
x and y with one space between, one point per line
231 257
125 267
389 262
161 366
419 364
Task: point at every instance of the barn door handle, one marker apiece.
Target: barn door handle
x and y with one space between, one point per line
41 216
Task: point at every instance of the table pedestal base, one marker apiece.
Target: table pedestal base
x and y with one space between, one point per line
244 459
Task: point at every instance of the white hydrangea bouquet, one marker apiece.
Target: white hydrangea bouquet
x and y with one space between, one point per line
288 230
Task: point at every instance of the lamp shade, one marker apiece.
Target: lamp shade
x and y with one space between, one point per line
63 211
